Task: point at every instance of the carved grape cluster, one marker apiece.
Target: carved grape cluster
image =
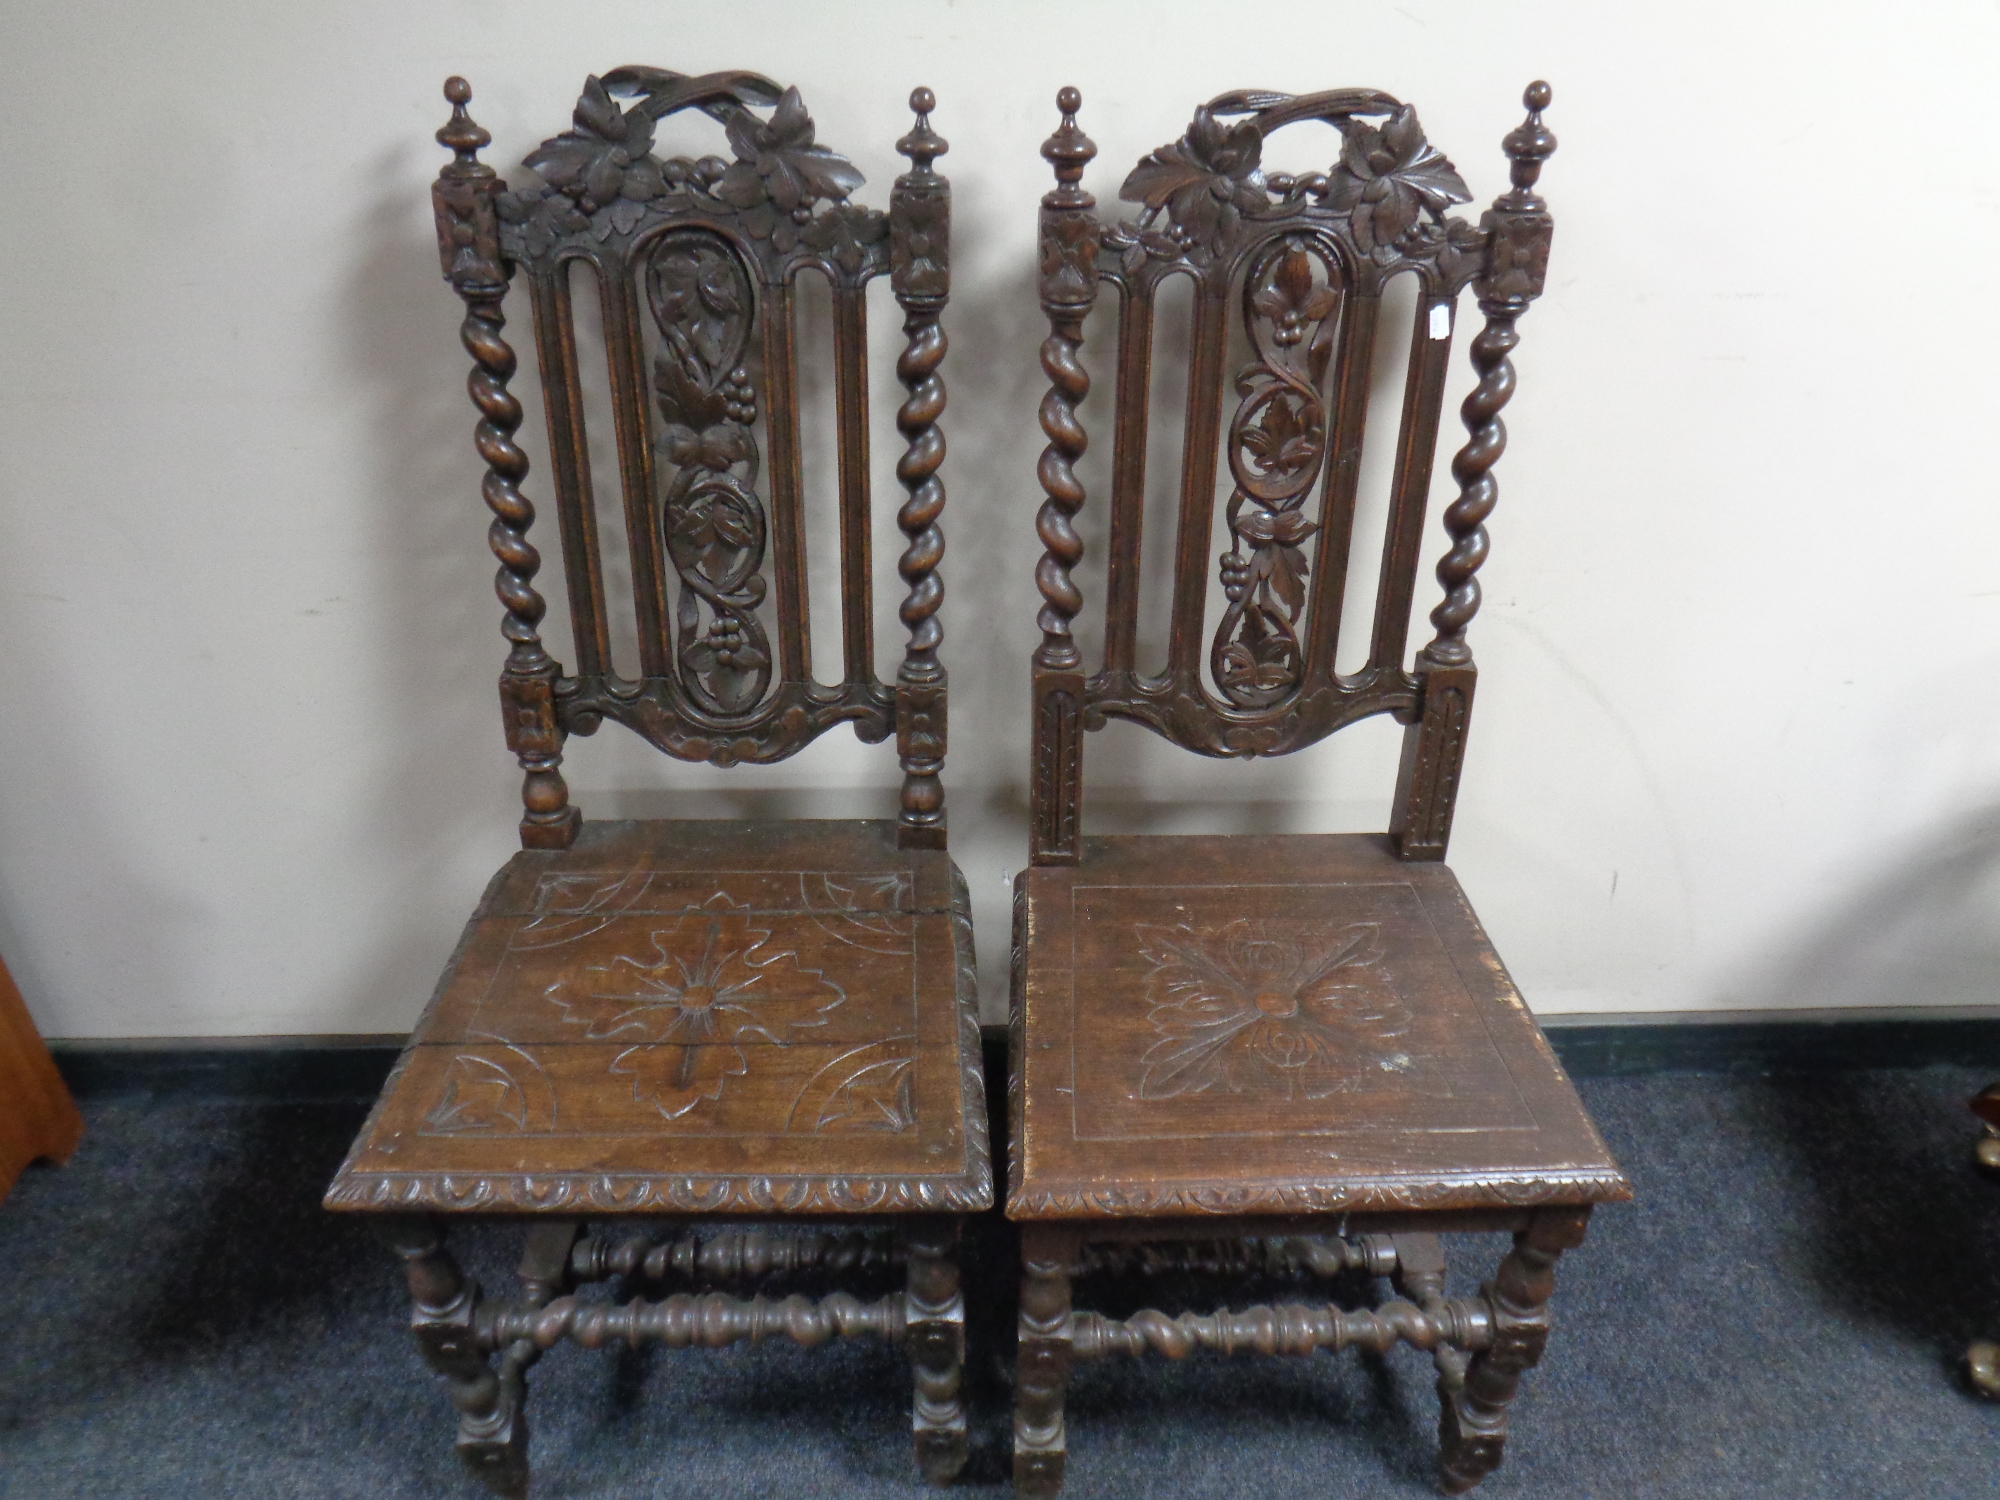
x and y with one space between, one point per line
739 397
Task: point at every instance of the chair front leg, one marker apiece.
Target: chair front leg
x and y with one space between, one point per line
1473 1424
492 1427
934 1335
1048 1259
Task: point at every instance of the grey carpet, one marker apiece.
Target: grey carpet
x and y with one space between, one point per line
1780 1313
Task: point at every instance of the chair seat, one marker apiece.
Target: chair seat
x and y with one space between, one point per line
695 1017
1278 1025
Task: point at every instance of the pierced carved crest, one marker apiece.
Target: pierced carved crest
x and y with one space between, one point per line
1389 189
784 190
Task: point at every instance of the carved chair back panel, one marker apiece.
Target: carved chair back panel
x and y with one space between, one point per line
1298 264
695 261
1294 266
696 265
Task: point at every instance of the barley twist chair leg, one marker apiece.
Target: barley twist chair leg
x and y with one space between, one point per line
935 1338
492 1426
1048 1257
1473 1425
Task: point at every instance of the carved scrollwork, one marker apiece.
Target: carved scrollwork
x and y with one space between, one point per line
711 517
1277 448
600 180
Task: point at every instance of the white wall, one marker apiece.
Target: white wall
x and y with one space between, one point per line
1735 744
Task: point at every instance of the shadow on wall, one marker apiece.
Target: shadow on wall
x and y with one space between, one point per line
1926 932
437 647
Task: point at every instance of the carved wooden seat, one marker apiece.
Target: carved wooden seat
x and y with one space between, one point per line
1293 1054
694 1022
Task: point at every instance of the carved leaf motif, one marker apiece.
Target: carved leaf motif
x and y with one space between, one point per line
879 1097
1069 242
1251 1006
1388 176
480 1098
779 173
846 235
1206 181
1284 439
590 163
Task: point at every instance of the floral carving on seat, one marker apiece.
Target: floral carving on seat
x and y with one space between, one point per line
711 982
1255 1007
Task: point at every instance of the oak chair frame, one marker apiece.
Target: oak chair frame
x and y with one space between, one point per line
1208 213
712 686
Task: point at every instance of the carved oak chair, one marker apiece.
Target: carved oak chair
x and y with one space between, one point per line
652 1029
1293 1054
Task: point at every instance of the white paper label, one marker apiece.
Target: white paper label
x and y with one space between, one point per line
1440 320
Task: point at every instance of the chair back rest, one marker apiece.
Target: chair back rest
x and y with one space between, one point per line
1300 262
695 262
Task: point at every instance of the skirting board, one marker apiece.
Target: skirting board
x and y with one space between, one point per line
304 1069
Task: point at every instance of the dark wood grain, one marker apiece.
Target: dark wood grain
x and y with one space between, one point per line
1234 1054
696 1020
695 1016
38 1119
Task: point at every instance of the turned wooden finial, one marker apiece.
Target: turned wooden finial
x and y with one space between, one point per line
1069 151
922 145
461 132
1527 146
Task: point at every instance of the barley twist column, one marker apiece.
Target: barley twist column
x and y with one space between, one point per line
468 243
1518 229
920 273
1070 235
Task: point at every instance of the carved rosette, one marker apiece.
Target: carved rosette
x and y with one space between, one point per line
710 982
1249 1006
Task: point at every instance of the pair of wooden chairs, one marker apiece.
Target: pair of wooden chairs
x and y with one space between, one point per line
1282 1054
